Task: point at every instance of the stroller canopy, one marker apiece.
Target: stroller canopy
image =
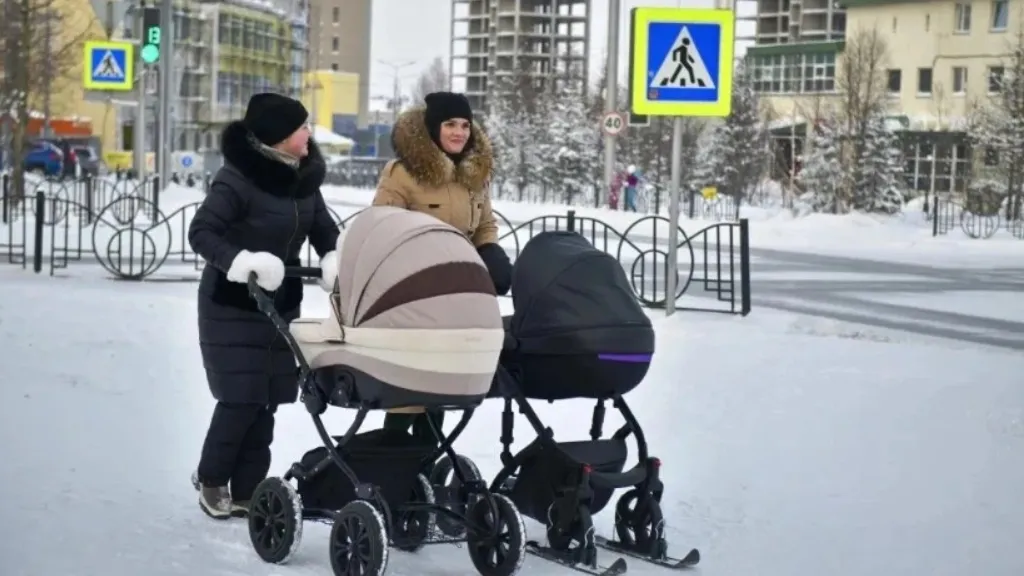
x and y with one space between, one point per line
415 305
571 298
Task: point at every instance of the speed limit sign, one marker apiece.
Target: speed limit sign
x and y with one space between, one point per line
613 123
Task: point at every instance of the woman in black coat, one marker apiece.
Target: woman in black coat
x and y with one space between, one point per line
259 210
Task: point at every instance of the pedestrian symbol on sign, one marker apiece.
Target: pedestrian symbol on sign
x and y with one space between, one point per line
683 67
108 68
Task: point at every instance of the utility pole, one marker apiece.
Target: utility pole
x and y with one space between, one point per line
611 91
139 131
396 97
166 72
47 72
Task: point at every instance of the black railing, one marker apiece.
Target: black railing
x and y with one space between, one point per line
132 239
948 214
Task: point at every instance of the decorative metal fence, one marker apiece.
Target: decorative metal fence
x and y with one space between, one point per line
131 238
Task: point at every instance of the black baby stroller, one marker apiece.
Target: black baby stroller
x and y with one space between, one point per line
414 323
578 332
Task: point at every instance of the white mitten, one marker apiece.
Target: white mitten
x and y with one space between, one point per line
269 269
329 271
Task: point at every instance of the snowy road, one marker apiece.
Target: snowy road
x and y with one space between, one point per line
792 445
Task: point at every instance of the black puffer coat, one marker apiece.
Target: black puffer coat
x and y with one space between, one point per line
260 205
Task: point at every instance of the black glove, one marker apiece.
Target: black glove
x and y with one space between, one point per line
498 266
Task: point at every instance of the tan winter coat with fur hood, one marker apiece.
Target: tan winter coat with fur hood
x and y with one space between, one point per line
424 179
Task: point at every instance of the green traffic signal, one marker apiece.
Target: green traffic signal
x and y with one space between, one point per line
150 53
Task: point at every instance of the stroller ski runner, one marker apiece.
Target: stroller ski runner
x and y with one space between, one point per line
414 323
578 332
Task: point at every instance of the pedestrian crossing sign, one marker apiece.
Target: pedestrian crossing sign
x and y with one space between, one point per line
682 60
108 66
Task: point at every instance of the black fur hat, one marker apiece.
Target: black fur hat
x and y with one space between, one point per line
272 117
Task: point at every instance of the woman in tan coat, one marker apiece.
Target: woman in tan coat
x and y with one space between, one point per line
443 168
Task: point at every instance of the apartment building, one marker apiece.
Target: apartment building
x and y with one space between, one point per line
956 61
340 42
942 57
548 40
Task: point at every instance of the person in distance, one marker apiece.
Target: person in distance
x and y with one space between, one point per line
443 168
260 208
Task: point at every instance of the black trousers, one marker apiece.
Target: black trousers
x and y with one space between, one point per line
237 447
418 422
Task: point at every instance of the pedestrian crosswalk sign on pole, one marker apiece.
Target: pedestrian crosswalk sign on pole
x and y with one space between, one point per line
682 61
108 66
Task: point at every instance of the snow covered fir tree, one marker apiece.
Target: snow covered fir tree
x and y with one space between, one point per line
996 132
821 175
733 154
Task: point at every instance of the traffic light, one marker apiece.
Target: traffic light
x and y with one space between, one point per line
151 34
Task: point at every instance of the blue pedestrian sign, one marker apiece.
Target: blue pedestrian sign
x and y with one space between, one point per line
186 161
108 66
681 61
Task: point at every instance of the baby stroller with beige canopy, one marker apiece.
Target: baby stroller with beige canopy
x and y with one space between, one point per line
414 322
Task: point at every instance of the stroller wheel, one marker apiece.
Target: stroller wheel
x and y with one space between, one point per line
412 527
358 541
445 481
639 523
497 543
275 520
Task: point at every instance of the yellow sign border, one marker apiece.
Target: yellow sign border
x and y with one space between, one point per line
642 19
129 66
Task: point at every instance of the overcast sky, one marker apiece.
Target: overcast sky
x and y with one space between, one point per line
403 34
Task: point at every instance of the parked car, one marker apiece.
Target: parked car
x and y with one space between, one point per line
45 158
89 161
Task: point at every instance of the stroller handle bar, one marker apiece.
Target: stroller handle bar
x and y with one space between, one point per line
302 272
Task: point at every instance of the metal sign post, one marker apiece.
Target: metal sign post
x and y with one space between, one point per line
681 66
611 95
675 195
166 64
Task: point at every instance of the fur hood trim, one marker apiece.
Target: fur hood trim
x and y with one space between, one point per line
429 166
268 174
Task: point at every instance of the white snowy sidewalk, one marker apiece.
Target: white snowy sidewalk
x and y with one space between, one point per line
792 447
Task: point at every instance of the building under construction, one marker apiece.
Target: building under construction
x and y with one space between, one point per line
257 47
492 39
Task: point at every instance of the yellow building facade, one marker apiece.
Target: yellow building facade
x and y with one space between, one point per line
327 93
942 58
77 23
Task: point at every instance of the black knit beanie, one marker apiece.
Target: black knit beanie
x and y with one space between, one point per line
443 106
272 117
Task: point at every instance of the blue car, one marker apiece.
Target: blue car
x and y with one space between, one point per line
45 158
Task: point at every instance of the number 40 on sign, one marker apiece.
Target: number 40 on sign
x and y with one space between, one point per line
613 123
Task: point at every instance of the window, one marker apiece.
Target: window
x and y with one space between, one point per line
895 81
335 43
336 14
938 164
894 24
794 73
959 80
927 22
995 78
1000 14
334 67
924 81
991 156
962 18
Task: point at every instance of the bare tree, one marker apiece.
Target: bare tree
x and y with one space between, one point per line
854 119
42 47
434 79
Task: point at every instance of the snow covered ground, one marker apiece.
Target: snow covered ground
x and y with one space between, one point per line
792 445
